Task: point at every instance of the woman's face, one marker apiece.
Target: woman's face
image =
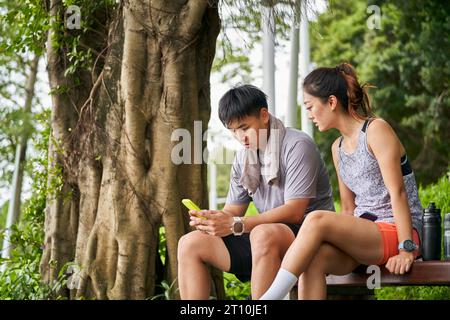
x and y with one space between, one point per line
321 113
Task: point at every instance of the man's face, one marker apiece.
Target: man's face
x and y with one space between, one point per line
251 131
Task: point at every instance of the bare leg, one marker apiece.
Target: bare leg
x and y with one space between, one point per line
358 238
196 250
329 260
269 244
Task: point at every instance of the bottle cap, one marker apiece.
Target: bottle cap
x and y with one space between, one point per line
432 209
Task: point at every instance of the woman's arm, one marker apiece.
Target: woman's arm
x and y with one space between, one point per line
347 196
387 149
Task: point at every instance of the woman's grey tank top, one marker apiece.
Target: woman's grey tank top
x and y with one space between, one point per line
362 175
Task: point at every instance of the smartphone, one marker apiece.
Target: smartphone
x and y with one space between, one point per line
369 216
192 206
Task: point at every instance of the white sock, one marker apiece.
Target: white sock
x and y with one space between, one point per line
281 286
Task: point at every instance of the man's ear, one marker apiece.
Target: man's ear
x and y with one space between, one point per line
332 102
264 115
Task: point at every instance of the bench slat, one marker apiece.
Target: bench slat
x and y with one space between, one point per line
422 273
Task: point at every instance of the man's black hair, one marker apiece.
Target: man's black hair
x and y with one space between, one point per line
241 101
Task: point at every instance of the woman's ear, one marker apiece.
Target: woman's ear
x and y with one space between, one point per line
332 102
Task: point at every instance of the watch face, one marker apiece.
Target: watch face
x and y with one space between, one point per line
238 227
408 245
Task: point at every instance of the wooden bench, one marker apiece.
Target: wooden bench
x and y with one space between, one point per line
354 285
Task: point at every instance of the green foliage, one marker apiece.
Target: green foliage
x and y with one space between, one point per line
438 193
162 248
24 27
234 288
223 179
251 210
232 63
77 43
407 61
14 123
337 206
169 291
21 278
413 293
3 215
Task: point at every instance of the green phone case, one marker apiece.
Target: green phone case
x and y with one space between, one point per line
192 206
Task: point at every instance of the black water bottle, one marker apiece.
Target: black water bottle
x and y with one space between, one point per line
447 236
431 248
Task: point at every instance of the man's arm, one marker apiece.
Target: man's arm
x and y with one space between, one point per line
290 212
301 173
236 210
301 176
219 223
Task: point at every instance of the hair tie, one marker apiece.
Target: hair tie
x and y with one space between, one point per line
340 71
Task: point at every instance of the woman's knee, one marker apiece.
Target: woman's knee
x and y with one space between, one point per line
316 220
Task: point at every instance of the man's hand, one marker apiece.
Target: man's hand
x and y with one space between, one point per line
400 263
218 223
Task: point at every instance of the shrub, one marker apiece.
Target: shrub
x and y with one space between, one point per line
234 288
21 278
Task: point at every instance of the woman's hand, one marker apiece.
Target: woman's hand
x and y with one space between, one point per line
218 223
400 263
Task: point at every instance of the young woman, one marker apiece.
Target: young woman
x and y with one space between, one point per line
381 218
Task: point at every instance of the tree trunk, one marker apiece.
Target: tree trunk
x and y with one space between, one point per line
111 144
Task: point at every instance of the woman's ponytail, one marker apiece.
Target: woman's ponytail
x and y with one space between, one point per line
358 98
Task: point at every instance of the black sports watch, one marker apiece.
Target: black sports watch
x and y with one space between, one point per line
408 246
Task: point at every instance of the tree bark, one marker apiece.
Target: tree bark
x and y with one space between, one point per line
112 143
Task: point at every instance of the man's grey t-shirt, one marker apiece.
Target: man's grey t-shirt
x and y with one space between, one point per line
302 175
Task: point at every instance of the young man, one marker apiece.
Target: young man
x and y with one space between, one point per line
281 171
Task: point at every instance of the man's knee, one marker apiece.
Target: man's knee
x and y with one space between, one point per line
190 245
265 240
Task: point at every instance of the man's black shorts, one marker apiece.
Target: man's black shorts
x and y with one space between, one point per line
241 253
